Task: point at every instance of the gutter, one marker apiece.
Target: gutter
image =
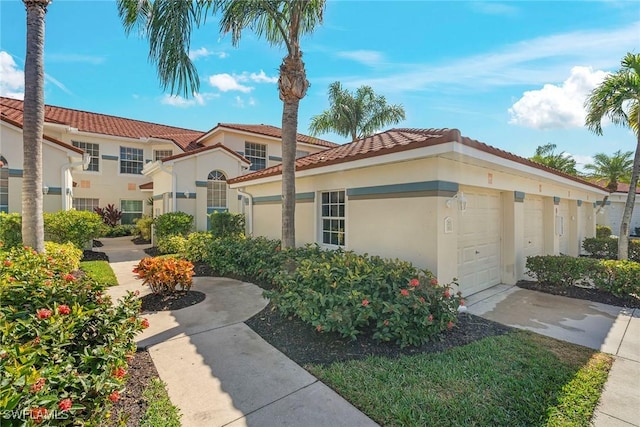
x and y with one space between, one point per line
250 221
67 192
174 183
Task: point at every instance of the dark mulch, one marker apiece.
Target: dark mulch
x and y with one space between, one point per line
140 241
595 295
171 302
97 244
94 256
153 251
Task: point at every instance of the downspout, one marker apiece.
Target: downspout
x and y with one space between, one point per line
250 221
66 190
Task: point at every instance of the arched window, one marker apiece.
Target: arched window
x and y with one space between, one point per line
216 192
4 185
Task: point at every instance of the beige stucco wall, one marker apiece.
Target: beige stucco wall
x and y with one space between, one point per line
611 215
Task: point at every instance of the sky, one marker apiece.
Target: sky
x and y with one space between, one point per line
512 74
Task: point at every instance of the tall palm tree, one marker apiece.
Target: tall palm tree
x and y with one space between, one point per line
611 169
546 155
356 116
33 125
168 25
618 99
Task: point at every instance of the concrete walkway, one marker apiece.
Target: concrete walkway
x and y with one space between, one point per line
602 327
217 370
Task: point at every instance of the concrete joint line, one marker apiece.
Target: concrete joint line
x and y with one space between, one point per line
271 403
626 328
616 418
492 296
196 333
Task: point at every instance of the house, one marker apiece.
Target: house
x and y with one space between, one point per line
611 214
445 202
93 159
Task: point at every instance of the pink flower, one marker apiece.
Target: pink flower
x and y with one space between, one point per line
365 302
446 293
65 404
43 313
64 309
405 292
145 323
37 386
114 397
414 283
430 318
450 325
119 373
433 282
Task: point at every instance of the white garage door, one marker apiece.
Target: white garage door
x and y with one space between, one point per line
533 226
563 228
479 242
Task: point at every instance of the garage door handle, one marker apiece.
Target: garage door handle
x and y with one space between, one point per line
477 252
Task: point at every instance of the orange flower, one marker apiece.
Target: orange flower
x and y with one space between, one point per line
7 263
69 277
145 323
43 313
37 386
38 414
114 397
119 373
64 309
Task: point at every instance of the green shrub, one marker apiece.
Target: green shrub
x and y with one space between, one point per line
607 248
10 229
602 231
256 258
143 227
77 227
120 230
172 224
165 275
65 255
196 247
64 346
171 244
621 278
560 270
226 224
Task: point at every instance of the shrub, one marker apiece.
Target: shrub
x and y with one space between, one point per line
621 278
64 346
602 231
171 244
560 270
10 229
165 275
77 227
64 255
257 258
172 224
143 227
607 248
226 224
196 247
110 215
120 230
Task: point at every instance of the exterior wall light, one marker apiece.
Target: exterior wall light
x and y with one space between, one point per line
45 189
186 194
461 199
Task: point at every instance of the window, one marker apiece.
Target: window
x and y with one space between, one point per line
94 151
4 185
85 204
333 218
131 210
131 160
161 154
216 191
301 153
256 154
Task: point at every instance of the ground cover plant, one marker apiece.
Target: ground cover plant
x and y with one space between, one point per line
65 347
100 272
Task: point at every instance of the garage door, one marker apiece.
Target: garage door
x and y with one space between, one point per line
479 242
563 227
533 226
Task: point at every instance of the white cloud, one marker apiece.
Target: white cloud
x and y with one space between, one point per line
179 101
11 78
581 160
226 82
557 106
367 57
261 77
203 52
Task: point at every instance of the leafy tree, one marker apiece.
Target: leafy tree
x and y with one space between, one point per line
33 125
546 155
356 116
168 24
618 99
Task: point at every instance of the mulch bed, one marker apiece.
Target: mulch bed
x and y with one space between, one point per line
94 256
171 302
140 241
590 294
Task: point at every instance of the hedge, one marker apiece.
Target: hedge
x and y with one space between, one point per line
607 248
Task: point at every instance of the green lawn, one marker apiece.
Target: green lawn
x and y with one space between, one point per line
518 379
100 271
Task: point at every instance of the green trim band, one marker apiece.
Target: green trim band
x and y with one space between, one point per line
556 200
54 191
518 196
201 184
275 158
157 197
181 195
15 173
300 198
410 189
598 203
108 157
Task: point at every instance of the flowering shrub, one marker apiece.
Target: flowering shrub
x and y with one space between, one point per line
165 275
171 244
61 342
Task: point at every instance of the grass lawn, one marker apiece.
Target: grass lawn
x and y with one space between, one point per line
517 379
100 271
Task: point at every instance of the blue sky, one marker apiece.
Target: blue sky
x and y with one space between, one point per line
511 74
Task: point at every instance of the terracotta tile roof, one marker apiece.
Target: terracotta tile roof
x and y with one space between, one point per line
394 141
623 187
102 123
207 148
274 132
146 186
48 138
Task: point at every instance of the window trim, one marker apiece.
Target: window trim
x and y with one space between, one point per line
226 188
155 159
97 157
249 157
75 199
120 160
321 218
141 212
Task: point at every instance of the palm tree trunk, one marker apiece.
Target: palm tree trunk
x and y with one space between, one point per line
289 130
623 238
33 124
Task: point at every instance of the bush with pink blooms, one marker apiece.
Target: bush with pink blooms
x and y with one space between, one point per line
64 346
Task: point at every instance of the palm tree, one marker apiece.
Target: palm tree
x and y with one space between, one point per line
168 25
611 169
546 155
33 124
619 92
356 116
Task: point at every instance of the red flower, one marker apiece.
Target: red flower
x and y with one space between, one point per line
38 414
38 385
114 397
64 309
43 313
365 302
462 301
65 404
36 341
7 263
319 328
119 373
430 318
405 292
145 323
414 282
69 277
446 293
433 282
450 325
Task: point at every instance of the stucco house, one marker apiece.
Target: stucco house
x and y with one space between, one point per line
93 159
456 206
611 214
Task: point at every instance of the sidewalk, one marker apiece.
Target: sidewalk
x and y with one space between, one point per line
217 370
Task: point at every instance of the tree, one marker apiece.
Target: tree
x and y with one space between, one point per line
618 99
33 126
356 116
546 155
168 24
611 169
